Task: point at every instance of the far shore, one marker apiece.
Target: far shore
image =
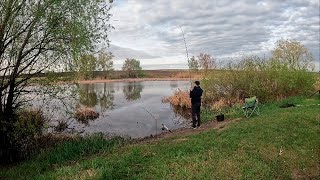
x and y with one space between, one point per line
130 80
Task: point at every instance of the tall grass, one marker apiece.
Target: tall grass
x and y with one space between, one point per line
185 74
66 152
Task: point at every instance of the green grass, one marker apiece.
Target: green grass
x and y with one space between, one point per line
206 115
247 149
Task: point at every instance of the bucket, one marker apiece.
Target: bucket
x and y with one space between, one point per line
220 117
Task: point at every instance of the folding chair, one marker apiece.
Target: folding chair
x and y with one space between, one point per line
250 106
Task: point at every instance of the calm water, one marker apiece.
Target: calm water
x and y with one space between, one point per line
126 108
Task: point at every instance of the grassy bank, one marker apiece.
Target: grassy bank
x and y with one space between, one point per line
281 143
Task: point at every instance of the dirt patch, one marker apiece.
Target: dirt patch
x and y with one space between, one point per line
83 174
188 131
311 173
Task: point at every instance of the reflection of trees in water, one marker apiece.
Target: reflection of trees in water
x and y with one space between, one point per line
107 97
181 112
87 94
173 84
90 96
132 91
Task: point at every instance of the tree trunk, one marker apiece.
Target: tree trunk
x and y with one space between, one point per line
8 150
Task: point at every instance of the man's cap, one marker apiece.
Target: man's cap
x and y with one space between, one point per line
197 83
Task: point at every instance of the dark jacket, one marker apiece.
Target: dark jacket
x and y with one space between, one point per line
195 95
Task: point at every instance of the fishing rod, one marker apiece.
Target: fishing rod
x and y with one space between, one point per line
185 44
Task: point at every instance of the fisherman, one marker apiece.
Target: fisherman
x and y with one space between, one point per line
195 95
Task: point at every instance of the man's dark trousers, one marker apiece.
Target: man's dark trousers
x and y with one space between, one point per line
195 114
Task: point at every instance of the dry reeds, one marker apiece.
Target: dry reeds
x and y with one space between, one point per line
84 114
185 74
179 98
223 103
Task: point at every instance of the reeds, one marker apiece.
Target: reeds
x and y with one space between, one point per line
182 99
184 74
179 98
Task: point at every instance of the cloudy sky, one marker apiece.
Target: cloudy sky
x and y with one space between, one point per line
150 29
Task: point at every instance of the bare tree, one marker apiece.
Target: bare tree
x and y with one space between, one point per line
206 62
294 54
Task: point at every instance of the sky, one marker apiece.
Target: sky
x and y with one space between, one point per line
151 30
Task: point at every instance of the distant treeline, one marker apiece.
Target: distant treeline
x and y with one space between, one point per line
117 74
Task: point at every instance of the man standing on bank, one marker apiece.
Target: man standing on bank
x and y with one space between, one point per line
195 95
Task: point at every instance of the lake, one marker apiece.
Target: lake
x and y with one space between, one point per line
132 109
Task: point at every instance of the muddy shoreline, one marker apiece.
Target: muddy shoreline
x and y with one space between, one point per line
214 124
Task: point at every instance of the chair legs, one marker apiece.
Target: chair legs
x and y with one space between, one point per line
257 110
249 111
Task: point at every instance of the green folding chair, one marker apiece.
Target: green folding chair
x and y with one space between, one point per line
250 107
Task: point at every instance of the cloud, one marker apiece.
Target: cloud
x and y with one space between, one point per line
220 27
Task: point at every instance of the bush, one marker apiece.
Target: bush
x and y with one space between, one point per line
30 121
286 73
268 79
19 134
317 84
27 129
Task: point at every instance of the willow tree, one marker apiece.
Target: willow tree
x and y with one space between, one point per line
86 66
105 62
132 68
40 35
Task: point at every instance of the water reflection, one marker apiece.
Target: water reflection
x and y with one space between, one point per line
87 95
90 96
173 84
181 112
107 97
120 107
133 91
